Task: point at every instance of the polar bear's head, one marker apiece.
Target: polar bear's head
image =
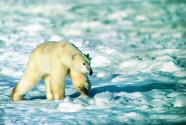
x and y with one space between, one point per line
81 63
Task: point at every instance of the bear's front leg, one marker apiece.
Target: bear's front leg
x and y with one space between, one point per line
80 81
27 82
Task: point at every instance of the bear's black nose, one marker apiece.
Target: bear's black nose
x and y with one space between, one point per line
91 72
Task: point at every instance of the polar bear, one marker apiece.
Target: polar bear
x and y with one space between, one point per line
54 61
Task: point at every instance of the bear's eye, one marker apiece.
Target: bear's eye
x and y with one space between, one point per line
83 63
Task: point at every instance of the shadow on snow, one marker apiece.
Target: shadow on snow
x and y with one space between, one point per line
128 89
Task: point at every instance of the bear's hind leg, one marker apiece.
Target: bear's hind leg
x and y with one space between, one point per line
27 82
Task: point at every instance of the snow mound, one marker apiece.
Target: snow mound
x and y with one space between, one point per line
180 101
169 67
135 116
69 107
103 74
100 61
173 94
102 98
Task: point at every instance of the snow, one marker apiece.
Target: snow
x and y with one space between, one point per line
137 50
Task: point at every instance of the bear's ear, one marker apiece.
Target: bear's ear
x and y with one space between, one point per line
87 55
73 56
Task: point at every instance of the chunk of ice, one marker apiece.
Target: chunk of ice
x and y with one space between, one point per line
102 98
180 101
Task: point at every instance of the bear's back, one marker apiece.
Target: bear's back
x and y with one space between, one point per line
53 48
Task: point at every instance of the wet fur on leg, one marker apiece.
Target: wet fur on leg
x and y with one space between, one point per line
83 91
